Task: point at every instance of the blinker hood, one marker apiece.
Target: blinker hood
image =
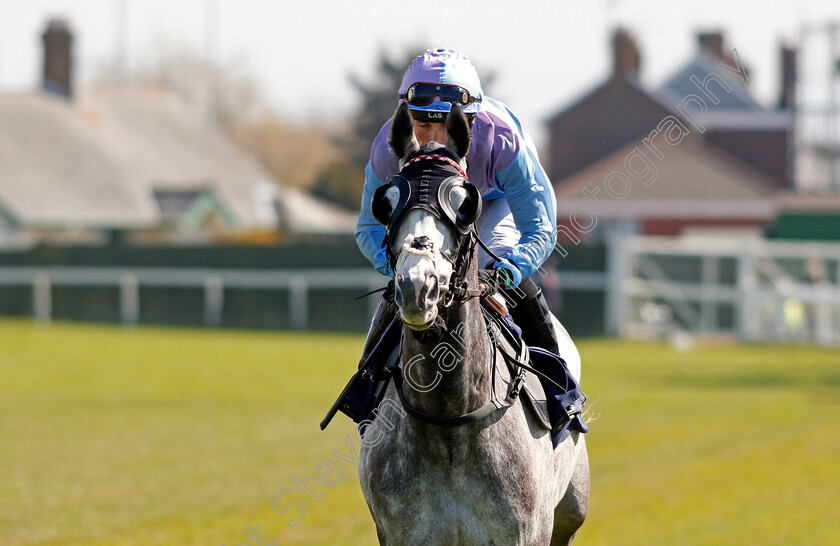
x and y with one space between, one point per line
432 194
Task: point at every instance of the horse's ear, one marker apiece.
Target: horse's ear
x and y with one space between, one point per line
458 132
402 141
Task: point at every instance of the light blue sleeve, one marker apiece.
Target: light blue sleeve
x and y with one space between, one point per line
531 199
369 232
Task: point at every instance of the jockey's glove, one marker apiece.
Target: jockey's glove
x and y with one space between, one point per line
512 275
502 274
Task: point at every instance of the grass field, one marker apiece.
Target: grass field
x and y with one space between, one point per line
155 436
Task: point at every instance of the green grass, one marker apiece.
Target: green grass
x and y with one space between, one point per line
155 436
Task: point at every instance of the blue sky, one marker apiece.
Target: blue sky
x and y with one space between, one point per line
544 53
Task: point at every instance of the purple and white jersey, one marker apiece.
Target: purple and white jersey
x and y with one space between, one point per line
502 163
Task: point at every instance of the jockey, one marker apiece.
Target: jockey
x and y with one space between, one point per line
518 218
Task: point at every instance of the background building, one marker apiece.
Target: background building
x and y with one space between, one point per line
697 153
135 164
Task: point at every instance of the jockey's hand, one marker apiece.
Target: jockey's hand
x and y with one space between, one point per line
508 274
487 281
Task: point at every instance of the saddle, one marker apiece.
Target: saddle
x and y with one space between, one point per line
550 391
542 378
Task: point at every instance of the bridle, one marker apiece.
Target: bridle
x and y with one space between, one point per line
447 159
429 189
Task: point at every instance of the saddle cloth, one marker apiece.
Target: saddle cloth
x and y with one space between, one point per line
556 401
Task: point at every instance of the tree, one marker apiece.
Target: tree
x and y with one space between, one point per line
342 180
294 153
228 94
378 99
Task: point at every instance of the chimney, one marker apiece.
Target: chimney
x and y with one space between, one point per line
712 42
787 93
58 58
625 54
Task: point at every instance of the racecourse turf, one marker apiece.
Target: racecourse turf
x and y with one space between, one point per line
164 436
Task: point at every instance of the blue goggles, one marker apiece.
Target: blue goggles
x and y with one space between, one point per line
422 94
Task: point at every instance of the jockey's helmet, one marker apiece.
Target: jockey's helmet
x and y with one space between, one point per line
435 80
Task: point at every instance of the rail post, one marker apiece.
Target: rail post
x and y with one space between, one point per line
214 301
129 300
42 297
299 303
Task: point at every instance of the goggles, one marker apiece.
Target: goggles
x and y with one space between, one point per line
422 94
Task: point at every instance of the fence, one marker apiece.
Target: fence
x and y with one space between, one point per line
756 290
215 286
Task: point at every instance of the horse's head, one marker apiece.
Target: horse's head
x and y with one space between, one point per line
429 208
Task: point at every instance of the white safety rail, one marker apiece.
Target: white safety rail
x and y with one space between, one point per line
213 282
754 289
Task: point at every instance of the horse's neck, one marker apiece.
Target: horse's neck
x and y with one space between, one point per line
449 375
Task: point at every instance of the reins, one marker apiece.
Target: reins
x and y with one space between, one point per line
516 354
489 407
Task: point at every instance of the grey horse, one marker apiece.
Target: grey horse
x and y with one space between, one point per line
497 480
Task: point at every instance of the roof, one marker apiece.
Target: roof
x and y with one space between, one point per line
57 169
679 85
736 109
621 81
695 179
307 214
608 117
96 162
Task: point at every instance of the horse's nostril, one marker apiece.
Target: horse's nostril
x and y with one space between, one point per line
431 281
431 289
404 285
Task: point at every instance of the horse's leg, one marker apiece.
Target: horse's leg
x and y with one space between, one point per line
571 510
